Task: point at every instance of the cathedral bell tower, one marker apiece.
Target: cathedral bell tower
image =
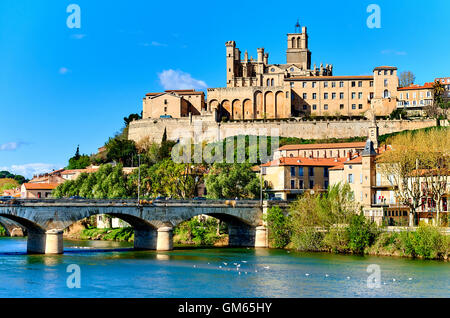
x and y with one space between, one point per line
297 52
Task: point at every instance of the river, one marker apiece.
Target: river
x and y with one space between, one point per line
114 269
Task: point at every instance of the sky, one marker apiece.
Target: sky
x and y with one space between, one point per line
61 87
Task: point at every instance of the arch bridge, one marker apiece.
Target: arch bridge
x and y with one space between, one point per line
46 219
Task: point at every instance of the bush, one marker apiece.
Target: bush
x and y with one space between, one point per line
307 239
361 233
279 227
2 231
336 240
426 242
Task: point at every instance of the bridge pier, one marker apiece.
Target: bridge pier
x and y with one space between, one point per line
261 239
145 239
165 239
50 242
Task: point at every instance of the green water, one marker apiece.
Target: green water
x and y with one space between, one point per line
113 269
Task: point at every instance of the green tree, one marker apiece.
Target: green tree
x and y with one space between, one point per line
78 161
121 150
361 233
229 181
279 227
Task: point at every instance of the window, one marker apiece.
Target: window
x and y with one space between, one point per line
371 95
341 95
359 83
304 84
300 184
385 72
360 178
39 195
272 69
353 83
386 93
311 184
305 107
305 96
325 106
292 184
165 102
333 84
407 95
165 109
428 94
325 172
325 96
360 106
341 106
268 82
353 95
311 171
414 95
313 84
300 171
272 82
350 178
325 84
385 83
314 107
353 106
341 84
371 83
292 171
333 95
314 96
392 72
325 184
360 96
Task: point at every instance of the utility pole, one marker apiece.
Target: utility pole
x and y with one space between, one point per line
139 177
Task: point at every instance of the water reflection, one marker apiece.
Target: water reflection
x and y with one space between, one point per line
114 269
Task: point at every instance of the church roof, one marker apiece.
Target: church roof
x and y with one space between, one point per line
368 149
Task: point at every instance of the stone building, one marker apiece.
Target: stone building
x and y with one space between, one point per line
415 97
173 103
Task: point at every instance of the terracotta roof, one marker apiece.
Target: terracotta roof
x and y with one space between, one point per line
359 144
354 161
385 68
424 86
41 186
300 161
329 78
338 167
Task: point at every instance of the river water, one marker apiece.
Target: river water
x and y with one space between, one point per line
114 269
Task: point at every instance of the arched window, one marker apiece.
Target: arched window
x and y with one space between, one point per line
268 82
271 82
386 93
298 42
293 43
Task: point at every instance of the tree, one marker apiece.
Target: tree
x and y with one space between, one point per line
121 150
78 161
406 165
130 118
406 78
229 181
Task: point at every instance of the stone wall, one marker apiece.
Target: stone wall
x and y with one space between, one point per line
208 129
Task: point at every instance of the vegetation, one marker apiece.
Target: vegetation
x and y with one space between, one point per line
229 181
418 159
200 231
2 231
279 227
121 234
406 78
7 175
7 183
78 161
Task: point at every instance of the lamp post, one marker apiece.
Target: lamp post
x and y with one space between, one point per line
139 177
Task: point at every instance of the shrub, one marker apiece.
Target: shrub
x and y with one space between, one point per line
279 227
361 233
427 242
336 240
307 239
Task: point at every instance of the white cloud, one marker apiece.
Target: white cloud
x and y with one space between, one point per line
9 146
31 169
153 43
78 36
394 52
170 79
64 70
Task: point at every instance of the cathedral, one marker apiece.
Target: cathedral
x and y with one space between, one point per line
256 89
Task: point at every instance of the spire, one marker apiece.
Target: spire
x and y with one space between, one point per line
297 27
368 149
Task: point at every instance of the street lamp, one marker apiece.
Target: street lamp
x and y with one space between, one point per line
139 177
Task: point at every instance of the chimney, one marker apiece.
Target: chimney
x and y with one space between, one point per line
349 155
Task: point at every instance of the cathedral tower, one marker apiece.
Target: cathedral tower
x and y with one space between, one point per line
297 52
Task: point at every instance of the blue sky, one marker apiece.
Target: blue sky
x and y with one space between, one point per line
60 87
